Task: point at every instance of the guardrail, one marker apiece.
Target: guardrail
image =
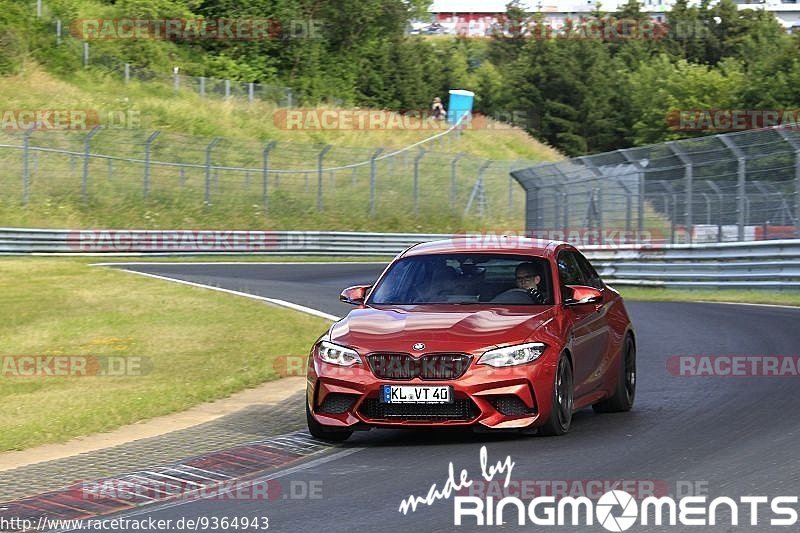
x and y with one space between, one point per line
773 265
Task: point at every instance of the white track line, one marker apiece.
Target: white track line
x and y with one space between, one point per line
311 464
745 303
274 301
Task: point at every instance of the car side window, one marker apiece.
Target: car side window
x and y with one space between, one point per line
569 273
589 273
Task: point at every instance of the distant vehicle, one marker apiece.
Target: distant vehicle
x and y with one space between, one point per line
434 29
416 27
501 337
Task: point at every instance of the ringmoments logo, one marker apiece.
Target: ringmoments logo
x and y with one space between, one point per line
606 505
615 510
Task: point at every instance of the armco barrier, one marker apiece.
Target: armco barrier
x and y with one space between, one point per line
773 265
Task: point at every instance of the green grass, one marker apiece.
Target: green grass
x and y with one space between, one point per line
674 295
237 258
198 346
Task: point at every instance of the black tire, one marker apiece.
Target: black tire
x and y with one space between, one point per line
560 417
625 392
319 431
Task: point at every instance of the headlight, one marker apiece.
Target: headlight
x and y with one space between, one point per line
513 355
337 355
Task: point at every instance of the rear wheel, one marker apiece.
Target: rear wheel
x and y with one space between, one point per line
561 411
319 431
625 392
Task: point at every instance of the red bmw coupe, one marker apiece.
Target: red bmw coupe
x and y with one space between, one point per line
516 335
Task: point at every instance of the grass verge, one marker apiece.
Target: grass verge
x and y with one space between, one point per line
674 295
190 345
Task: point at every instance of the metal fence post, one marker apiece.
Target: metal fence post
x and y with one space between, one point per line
209 148
38 8
176 80
58 32
26 141
795 144
720 198
127 73
372 180
561 190
202 86
416 178
687 172
741 176
628 207
588 163
599 206
453 176
250 92
227 88
85 54
147 145
265 185
86 147
673 196
639 193
511 168
478 191
320 157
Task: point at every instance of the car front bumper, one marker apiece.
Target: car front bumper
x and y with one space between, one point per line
497 398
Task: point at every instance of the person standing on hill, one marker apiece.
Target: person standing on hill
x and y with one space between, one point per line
437 109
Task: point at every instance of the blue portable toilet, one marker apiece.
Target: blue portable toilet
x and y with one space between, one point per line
460 104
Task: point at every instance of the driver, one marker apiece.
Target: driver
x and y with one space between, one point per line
528 278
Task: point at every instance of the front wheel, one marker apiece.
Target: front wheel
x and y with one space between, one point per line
625 392
319 431
561 410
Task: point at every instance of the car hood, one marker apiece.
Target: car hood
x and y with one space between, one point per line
462 330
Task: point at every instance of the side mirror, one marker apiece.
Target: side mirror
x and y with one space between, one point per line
581 294
354 295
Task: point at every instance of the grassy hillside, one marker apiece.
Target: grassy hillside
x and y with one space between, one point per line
157 107
188 123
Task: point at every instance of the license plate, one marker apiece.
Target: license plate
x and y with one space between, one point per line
417 394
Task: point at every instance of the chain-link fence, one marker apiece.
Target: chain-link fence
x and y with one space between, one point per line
209 87
96 55
102 165
730 187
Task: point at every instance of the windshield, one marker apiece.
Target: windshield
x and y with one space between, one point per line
466 279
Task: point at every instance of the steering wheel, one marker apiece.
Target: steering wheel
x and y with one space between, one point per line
520 296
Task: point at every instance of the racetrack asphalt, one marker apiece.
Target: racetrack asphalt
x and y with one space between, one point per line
724 436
